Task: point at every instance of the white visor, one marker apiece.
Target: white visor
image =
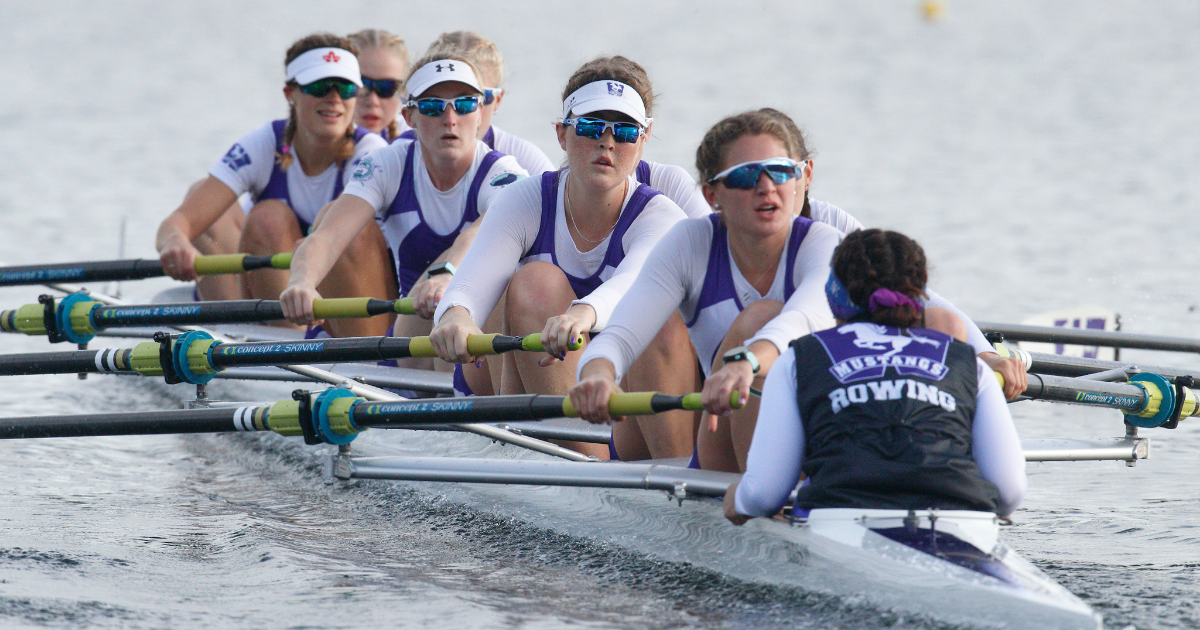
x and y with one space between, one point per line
441 71
612 96
321 63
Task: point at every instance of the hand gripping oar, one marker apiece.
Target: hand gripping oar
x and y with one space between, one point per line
334 416
105 270
375 393
195 357
77 317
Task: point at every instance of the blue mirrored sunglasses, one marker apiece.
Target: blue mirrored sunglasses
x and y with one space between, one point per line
385 88
318 89
491 94
431 106
745 176
594 128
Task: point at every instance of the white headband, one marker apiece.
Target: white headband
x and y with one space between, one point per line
607 96
321 63
441 71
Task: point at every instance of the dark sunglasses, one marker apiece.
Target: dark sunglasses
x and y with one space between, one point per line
463 105
745 176
594 128
318 89
385 88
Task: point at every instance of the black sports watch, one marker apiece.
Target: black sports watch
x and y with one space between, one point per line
439 269
741 353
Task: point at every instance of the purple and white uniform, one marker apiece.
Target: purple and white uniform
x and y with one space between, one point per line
529 223
674 182
250 166
419 221
531 158
693 270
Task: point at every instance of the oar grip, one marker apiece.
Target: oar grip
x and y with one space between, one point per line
220 263
282 261
533 343
340 307
480 345
404 306
420 347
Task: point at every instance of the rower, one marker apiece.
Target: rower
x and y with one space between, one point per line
568 244
1011 369
290 168
747 279
427 194
383 58
880 412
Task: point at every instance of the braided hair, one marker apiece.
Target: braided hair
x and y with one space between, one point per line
301 46
869 260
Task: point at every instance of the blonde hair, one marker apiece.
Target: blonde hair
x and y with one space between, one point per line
379 38
474 48
299 47
616 68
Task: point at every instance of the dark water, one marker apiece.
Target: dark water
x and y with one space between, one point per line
1043 153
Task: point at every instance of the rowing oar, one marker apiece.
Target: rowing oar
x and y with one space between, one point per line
375 393
77 317
1147 400
1092 369
334 416
1086 337
195 357
105 270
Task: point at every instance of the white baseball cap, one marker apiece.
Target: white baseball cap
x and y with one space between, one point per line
441 71
321 63
607 96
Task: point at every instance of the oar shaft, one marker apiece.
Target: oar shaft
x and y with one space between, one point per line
139 269
216 420
1086 337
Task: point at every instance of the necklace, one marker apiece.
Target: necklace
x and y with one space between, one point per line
571 215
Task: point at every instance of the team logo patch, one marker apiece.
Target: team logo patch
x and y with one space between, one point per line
862 350
331 57
616 89
504 179
236 158
365 170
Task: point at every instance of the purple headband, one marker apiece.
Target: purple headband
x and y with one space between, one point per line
887 298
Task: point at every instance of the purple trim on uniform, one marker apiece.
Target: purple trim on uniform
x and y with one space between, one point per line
612 450
461 387
718 278
315 332
643 172
409 134
544 242
421 246
277 187
694 462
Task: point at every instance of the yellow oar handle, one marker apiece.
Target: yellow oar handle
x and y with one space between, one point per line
999 377
404 306
645 403
533 343
236 263
333 308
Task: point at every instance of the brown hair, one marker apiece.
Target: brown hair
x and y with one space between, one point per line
710 155
378 38
476 48
616 68
301 46
872 259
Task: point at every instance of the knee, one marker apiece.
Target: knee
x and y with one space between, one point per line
538 289
271 222
369 244
752 319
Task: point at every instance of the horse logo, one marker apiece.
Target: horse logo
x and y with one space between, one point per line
875 337
862 350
